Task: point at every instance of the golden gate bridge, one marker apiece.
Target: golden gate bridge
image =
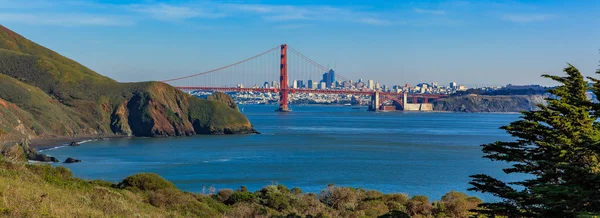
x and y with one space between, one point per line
280 64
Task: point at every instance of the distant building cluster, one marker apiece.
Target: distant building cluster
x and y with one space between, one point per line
329 82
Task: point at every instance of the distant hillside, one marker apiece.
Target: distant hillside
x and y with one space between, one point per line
487 103
44 94
508 90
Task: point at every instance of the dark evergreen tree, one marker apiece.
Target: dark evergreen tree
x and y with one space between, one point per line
559 147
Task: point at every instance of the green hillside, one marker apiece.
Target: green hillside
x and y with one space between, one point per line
44 94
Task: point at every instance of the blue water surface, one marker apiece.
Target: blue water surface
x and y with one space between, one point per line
417 153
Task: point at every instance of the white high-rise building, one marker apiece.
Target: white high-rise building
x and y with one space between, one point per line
322 85
453 85
371 84
295 84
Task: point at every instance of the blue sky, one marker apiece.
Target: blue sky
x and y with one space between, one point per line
470 42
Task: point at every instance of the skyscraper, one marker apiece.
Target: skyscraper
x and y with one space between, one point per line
310 84
453 85
329 77
322 85
295 84
371 84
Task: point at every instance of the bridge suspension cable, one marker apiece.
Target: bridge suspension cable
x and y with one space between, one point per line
224 67
325 69
263 71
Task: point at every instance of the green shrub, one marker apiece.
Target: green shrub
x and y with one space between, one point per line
274 197
456 204
370 195
396 201
102 183
373 208
283 189
242 189
237 197
212 203
145 182
224 194
395 214
59 176
339 198
48 170
181 202
296 191
419 206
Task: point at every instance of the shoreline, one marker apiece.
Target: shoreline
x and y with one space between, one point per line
49 143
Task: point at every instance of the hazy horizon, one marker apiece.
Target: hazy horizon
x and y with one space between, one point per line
470 42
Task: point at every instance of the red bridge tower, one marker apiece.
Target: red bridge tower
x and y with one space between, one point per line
283 81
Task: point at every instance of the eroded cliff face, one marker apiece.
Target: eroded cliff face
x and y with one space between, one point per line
484 103
166 112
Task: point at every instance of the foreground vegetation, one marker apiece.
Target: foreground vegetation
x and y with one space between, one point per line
559 147
42 190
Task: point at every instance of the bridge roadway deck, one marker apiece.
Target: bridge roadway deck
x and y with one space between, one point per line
316 91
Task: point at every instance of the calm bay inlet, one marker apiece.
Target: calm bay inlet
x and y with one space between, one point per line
416 153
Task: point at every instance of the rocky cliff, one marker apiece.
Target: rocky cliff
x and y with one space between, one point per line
44 94
486 103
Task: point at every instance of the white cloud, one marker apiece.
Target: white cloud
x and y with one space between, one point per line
172 12
94 13
282 13
61 19
428 11
526 18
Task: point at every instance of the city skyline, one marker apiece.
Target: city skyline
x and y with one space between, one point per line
476 43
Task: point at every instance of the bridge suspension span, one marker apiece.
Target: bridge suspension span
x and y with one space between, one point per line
271 71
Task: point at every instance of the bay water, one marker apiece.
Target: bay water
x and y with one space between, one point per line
417 153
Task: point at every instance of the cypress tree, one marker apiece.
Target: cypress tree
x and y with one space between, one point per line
559 147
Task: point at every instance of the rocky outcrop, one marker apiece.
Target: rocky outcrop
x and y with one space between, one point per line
119 120
167 112
74 144
20 152
72 160
485 103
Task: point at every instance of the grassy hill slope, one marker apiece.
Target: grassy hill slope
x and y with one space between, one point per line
50 95
44 191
